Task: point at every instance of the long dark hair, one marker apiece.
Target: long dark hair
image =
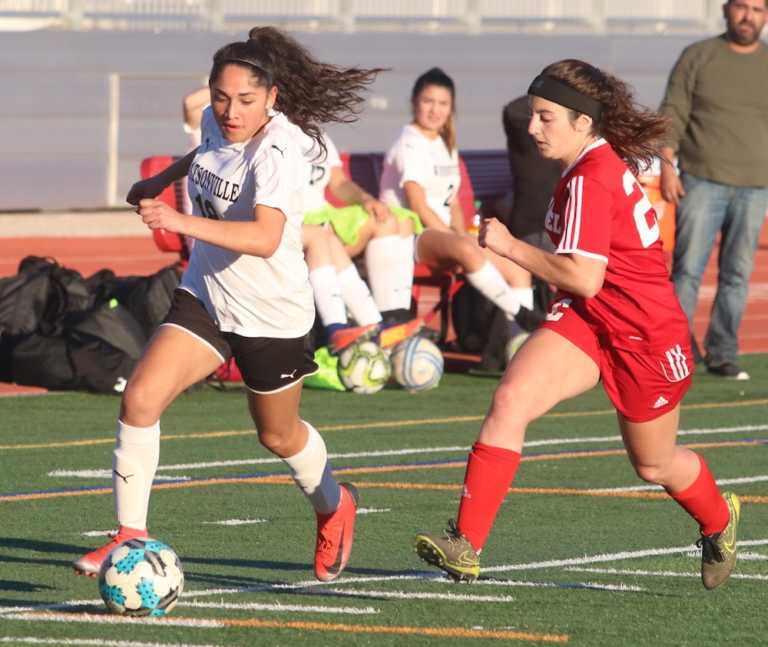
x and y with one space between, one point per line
436 76
310 93
635 132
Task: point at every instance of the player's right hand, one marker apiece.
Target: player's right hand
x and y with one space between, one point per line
149 188
495 236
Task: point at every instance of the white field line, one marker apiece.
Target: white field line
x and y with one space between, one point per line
310 584
607 557
420 595
641 488
438 577
593 586
372 510
234 522
85 642
400 452
284 608
58 606
620 571
752 557
109 619
97 533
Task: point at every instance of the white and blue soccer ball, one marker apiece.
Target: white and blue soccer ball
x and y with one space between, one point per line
141 577
364 367
417 364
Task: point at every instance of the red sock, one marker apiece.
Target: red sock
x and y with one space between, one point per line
704 502
490 471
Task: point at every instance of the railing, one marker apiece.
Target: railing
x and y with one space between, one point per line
471 16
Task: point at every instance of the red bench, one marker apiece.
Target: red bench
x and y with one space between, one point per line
485 176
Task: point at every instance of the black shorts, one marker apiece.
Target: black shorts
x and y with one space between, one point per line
267 364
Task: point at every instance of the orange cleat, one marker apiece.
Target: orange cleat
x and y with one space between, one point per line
393 335
344 337
90 563
335 533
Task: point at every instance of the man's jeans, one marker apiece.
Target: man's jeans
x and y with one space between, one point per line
738 214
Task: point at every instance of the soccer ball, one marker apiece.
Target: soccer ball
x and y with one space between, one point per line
417 364
141 577
513 345
364 367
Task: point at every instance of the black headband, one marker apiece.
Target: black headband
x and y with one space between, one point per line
550 88
255 62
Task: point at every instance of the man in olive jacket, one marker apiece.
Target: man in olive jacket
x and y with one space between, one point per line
717 101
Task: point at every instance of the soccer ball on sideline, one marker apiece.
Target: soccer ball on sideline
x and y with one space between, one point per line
417 364
364 367
141 577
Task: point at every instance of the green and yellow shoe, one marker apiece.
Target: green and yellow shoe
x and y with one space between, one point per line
451 553
718 550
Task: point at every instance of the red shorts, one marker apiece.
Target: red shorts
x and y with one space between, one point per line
642 384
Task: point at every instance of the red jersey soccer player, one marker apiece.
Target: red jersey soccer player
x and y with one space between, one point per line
616 319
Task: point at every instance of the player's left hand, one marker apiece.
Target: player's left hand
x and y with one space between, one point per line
158 215
377 209
495 236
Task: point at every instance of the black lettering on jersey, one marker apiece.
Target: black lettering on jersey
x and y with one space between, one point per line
279 150
316 174
209 182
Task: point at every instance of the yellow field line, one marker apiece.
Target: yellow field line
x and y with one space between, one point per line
370 425
438 632
388 469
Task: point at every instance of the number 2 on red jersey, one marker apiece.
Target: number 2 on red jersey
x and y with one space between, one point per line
644 214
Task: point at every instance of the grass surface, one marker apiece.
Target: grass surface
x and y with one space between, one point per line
562 565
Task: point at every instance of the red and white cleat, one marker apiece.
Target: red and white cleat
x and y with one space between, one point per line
90 563
335 534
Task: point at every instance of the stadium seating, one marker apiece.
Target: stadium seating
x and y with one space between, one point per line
485 177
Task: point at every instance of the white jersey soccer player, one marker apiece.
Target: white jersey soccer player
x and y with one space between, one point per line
246 292
249 295
428 162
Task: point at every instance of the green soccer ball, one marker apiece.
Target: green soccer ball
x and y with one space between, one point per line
364 367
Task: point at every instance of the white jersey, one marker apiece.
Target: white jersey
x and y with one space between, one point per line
319 171
415 158
245 294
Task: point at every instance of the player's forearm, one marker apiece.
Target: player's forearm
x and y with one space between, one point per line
561 270
241 237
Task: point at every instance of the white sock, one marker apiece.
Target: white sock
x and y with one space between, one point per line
330 305
405 272
134 463
491 284
384 259
357 297
524 296
312 473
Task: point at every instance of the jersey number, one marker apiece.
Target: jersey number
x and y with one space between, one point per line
449 197
207 210
649 233
556 310
316 174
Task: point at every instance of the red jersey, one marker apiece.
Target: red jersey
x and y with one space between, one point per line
599 210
